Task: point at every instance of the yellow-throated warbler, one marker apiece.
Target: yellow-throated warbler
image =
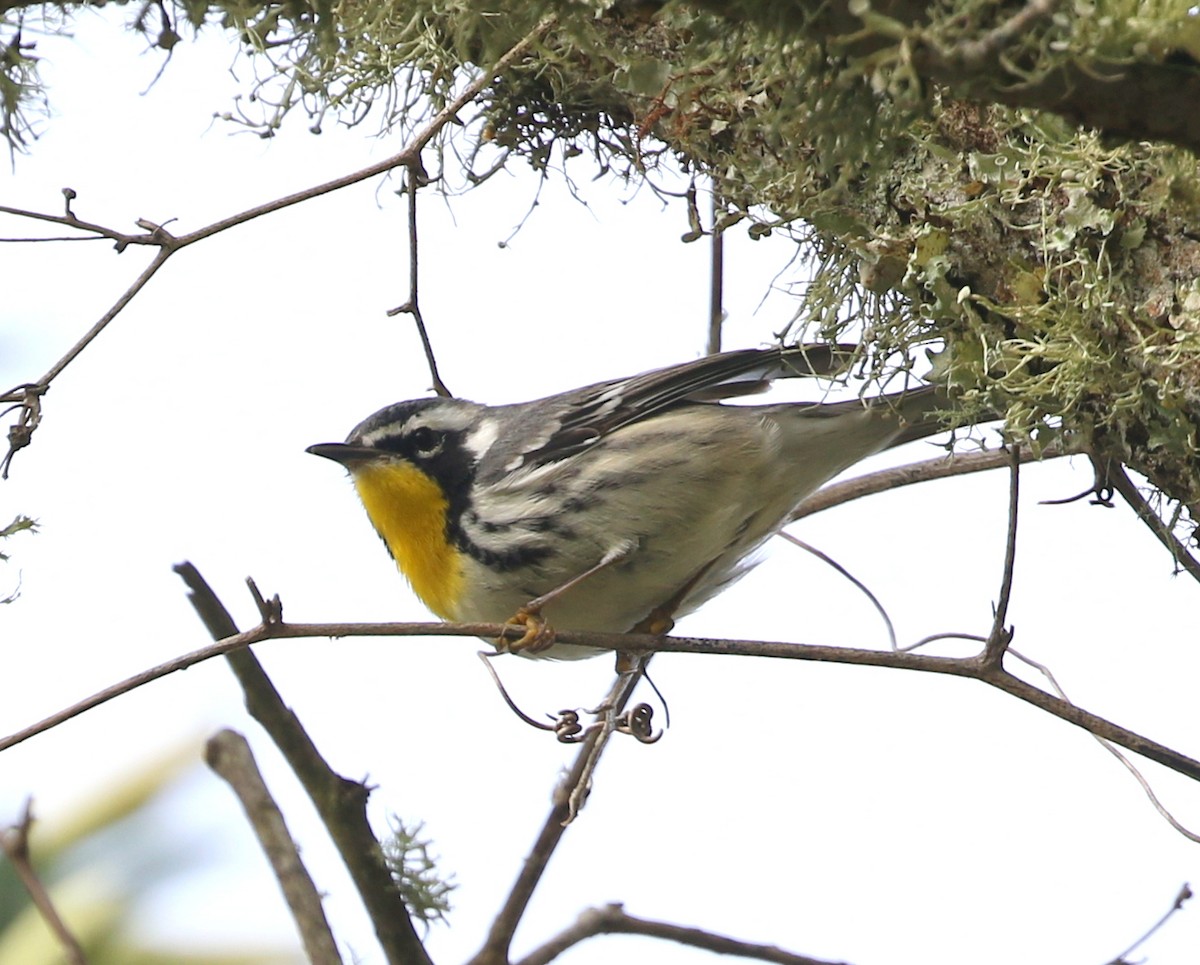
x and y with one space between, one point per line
628 502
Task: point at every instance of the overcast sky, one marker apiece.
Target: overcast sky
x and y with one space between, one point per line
867 815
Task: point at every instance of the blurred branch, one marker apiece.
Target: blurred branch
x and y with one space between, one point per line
14 842
340 802
612 920
157 236
1092 89
228 754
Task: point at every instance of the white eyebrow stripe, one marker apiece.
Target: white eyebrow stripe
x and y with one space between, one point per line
383 432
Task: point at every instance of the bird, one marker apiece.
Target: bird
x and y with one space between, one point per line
614 507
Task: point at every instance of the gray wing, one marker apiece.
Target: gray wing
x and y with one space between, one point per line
575 420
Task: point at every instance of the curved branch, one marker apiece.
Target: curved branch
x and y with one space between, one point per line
940 467
168 243
496 946
612 920
969 667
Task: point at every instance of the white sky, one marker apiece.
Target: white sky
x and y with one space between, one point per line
841 812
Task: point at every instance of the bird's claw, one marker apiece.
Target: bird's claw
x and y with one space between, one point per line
537 638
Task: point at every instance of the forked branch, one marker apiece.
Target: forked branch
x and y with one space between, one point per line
340 802
167 243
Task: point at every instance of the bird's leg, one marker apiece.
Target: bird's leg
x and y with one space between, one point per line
632 663
661 620
539 635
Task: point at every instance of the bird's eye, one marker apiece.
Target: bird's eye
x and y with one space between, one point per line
425 439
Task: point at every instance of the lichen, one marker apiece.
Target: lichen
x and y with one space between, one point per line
1054 273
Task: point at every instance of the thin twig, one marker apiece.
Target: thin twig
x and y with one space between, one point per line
168 244
228 754
14 842
1184 895
139 283
34 241
410 154
830 561
968 667
1120 481
340 802
1125 761
998 639
612 920
413 305
495 948
122 238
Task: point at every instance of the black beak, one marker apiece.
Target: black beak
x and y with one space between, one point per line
342 453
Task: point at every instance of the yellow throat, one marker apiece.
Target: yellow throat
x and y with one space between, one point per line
408 510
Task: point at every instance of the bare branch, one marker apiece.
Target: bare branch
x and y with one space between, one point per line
14 842
854 580
941 467
1120 481
340 802
612 920
168 244
410 155
139 283
123 239
969 667
1125 761
1184 895
566 802
1000 636
228 754
416 178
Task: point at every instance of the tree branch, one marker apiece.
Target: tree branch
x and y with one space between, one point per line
940 467
998 639
168 244
340 802
416 177
1184 895
1119 479
969 667
567 800
14 842
229 755
612 920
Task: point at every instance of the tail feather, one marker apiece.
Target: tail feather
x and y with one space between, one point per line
914 412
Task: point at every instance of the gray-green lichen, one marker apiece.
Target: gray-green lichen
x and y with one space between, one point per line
1054 271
